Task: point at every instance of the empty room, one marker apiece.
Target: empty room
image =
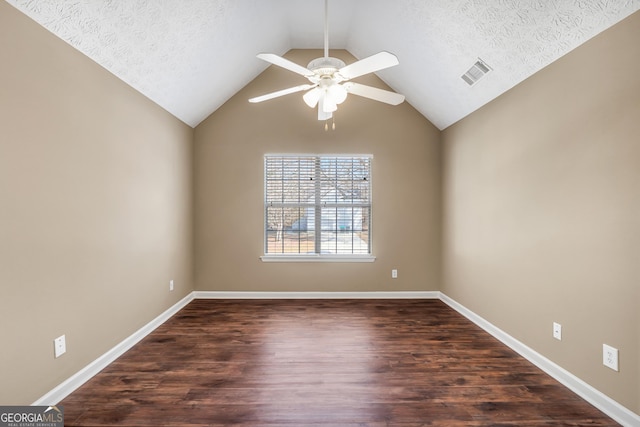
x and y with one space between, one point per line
319 213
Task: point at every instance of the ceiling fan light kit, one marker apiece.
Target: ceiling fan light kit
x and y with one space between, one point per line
329 78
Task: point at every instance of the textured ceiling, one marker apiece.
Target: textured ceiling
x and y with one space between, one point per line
191 56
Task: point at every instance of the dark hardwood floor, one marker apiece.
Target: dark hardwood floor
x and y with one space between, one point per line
324 363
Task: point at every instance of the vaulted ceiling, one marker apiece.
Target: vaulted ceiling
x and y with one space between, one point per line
191 56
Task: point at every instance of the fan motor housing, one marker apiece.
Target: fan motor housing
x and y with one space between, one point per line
325 66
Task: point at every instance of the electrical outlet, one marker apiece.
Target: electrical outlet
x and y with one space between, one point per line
557 331
610 357
59 346
170 285
394 274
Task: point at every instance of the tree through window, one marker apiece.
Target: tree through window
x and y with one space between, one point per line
317 205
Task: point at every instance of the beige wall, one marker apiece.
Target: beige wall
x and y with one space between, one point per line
541 199
95 209
229 173
542 210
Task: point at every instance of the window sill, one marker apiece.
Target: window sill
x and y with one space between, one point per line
318 258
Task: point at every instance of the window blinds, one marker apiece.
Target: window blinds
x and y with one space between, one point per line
317 204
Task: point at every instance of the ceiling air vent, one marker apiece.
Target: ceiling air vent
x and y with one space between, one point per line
476 72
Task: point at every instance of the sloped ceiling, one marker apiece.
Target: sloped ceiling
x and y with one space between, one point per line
191 56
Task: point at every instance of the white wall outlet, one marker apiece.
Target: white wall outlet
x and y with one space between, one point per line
59 346
610 357
557 331
394 274
170 285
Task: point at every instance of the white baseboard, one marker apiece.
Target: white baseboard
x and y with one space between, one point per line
317 295
607 405
604 403
86 373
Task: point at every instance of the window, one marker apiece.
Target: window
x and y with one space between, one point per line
318 206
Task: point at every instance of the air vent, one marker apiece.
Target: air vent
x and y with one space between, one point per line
476 72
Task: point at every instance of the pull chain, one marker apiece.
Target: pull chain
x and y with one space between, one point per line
333 124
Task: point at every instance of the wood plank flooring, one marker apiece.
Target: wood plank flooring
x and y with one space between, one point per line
324 363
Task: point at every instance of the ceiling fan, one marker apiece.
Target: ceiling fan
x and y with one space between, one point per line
329 78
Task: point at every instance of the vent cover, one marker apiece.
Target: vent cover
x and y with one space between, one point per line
476 72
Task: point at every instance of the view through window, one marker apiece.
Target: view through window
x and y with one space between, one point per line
317 204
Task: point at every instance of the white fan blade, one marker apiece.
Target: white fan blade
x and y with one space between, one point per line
322 113
373 63
312 97
370 92
327 103
281 93
285 63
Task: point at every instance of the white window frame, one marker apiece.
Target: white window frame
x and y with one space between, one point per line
317 257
